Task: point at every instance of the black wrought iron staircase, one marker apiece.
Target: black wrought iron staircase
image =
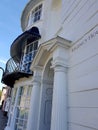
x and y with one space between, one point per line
11 66
13 72
19 65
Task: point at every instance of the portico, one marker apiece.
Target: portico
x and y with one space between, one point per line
53 58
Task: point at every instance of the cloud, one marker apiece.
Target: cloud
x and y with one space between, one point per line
3 61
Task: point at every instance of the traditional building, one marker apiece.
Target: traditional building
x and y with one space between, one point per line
6 92
54 67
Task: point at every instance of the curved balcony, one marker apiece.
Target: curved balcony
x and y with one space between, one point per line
19 65
14 71
19 43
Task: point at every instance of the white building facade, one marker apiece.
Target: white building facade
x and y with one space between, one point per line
56 87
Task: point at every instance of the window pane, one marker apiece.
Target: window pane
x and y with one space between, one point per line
13 95
31 47
36 9
28 57
36 13
35 45
29 90
21 91
23 107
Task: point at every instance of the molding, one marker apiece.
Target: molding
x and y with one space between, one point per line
59 62
56 41
37 71
23 82
59 68
37 68
45 49
37 75
61 42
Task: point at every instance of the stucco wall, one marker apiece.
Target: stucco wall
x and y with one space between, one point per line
83 83
80 25
78 17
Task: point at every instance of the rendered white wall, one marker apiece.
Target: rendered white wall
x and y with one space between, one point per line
83 83
78 17
52 19
80 25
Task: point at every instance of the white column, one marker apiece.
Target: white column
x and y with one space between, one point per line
59 103
34 104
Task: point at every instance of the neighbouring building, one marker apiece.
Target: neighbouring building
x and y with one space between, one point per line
3 95
53 68
6 92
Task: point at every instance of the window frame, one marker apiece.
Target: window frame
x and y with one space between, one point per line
21 122
28 56
31 17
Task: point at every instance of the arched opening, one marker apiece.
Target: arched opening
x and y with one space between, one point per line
46 97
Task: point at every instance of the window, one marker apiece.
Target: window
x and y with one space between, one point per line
22 107
13 99
36 14
30 51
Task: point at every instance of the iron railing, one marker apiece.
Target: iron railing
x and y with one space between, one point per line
20 66
11 66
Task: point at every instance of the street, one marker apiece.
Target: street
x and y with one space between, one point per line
3 120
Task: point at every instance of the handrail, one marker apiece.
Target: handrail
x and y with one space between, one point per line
12 66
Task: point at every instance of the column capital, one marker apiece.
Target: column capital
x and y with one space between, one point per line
59 64
37 75
36 81
37 70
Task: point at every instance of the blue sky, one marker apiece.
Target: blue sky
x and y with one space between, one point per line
10 27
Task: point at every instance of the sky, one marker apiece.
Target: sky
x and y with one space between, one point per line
10 28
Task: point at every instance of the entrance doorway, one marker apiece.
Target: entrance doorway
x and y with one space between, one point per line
46 97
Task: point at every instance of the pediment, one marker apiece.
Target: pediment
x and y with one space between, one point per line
46 49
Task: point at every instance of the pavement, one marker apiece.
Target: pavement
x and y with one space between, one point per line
3 120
